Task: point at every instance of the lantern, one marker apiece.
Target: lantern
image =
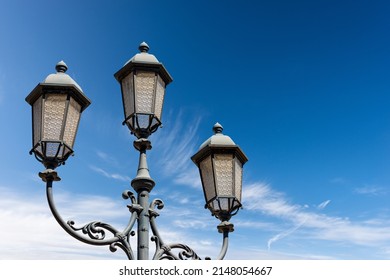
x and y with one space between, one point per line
220 162
143 80
57 104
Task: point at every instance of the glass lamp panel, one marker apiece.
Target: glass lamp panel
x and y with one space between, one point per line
224 204
145 89
223 164
128 94
72 122
160 92
142 121
37 121
207 175
238 178
53 116
53 149
215 206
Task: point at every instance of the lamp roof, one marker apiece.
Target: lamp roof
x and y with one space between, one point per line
218 142
145 61
218 139
143 56
60 80
61 77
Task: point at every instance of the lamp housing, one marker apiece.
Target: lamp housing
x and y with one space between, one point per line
143 80
57 104
220 162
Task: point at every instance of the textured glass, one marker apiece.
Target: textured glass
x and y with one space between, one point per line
207 175
224 203
142 121
54 111
160 91
37 120
224 174
128 95
72 122
144 88
215 205
238 178
53 149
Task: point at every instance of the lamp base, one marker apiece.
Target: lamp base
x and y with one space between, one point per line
49 175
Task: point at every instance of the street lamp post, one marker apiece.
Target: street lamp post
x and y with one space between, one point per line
57 104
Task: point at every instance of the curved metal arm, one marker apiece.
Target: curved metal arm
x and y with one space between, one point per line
94 232
164 251
225 227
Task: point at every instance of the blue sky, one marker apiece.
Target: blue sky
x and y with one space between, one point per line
301 86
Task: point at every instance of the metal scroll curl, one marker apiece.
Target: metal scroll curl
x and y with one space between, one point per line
166 251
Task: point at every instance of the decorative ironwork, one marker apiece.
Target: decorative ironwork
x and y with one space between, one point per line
57 104
95 233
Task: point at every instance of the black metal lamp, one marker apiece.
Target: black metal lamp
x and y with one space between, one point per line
143 80
57 104
220 162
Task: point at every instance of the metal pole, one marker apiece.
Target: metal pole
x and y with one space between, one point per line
143 226
143 184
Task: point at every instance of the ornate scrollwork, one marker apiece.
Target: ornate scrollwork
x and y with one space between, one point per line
95 230
166 251
94 233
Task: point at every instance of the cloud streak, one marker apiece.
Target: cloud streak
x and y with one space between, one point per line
107 174
176 146
262 198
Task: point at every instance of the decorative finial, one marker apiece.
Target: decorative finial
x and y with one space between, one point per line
143 47
217 128
61 67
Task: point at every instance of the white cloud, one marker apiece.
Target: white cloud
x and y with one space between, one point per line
30 232
261 197
370 190
322 205
107 158
284 234
107 174
176 145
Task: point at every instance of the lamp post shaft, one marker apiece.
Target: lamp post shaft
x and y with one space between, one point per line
143 226
143 184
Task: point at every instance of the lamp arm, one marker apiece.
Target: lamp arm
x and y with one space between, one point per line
165 251
93 232
225 244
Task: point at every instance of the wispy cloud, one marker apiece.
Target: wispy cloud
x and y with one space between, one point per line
32 233
339 181
176 146
370 190
322 205
107 174
284 234
107 158
262 198
290 231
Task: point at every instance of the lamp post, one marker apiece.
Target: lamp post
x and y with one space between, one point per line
57 104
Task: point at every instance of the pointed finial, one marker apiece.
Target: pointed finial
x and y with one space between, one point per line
61 67
143 47
217 128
